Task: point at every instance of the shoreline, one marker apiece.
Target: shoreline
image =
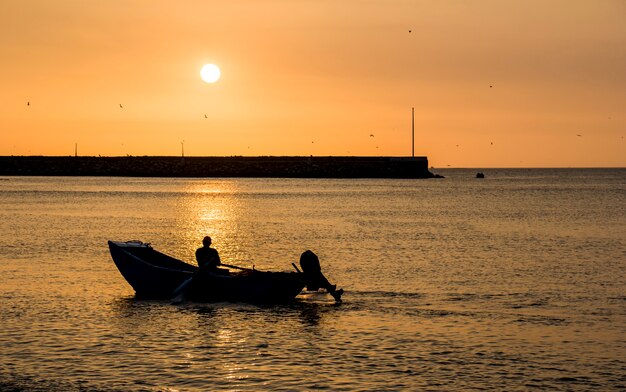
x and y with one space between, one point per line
234 166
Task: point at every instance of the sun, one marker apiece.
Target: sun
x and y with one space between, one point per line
210 73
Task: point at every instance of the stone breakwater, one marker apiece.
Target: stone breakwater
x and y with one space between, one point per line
236 166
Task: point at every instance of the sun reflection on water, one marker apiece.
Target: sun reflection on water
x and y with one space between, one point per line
212 208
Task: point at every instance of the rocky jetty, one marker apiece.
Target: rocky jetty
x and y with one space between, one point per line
235 166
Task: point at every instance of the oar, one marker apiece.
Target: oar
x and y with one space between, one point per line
179 294
236 267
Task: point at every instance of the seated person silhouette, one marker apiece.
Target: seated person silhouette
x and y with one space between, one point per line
208 258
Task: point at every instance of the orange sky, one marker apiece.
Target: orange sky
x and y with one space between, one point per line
317 78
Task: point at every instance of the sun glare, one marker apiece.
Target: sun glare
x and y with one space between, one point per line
210 73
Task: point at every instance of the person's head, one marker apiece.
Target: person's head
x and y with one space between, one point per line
206 241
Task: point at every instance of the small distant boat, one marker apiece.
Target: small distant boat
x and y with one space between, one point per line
480 175
155 275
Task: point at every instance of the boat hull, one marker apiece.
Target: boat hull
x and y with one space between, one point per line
154 275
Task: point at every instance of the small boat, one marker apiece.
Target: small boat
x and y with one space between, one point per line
480 175
155 275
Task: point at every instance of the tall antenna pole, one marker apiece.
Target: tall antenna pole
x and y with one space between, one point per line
412 132
75 149
182 149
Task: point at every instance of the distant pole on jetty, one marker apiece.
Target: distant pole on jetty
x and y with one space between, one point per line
75 150
413 133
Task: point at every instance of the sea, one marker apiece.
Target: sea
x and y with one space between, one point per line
514 282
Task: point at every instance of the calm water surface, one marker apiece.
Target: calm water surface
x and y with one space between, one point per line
514 282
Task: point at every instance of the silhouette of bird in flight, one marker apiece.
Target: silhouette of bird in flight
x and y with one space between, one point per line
409 31
578 134
28 103
121 107
205 116
371 135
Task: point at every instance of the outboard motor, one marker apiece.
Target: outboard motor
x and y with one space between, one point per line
310 264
